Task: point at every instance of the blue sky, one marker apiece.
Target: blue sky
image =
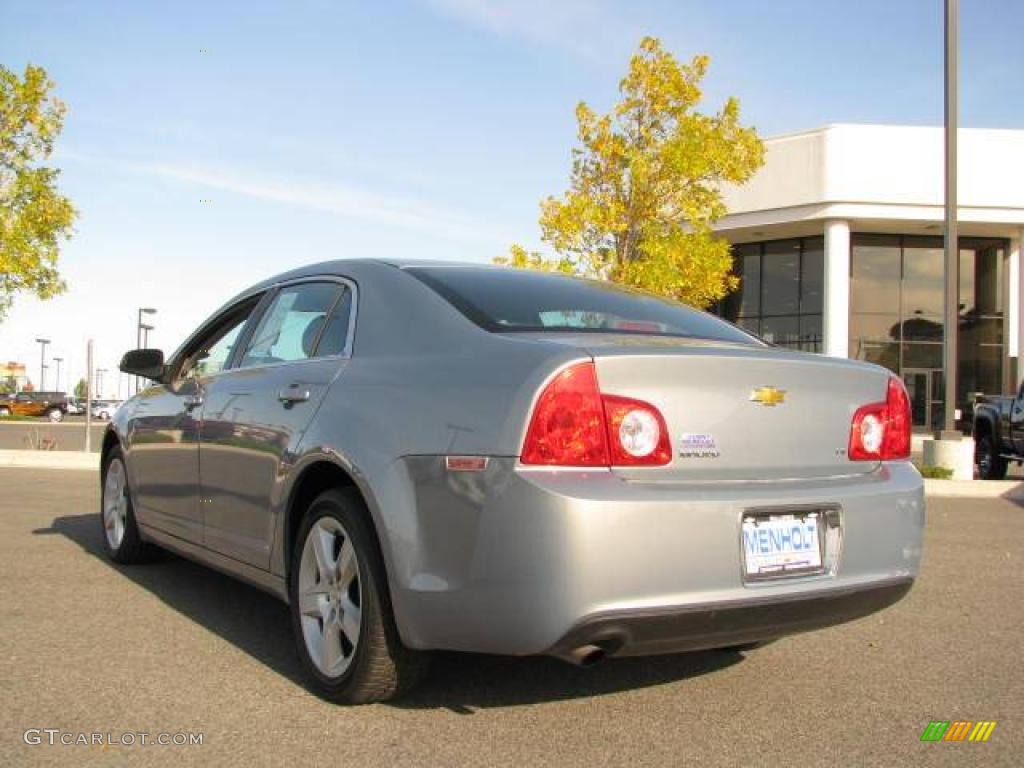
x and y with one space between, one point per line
425 129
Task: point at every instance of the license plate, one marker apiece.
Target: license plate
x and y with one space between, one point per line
781 545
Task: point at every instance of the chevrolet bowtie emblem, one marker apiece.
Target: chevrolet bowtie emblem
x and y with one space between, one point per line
769 396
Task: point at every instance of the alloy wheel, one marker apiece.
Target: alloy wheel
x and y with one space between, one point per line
985 457
330 597
115 503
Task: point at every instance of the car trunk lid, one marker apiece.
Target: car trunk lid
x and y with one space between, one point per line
737 412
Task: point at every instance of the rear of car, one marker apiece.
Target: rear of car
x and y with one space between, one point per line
678 485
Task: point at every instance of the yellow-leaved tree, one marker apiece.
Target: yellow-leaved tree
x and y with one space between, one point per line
645 184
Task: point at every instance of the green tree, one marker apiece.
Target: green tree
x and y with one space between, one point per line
81 390
8 385
34 216
644 188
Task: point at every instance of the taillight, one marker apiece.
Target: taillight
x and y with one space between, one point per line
881 431
574 425
567 428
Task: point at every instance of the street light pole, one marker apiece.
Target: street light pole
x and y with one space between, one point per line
138 335
952 250
99 381
42 363
58 361
88 397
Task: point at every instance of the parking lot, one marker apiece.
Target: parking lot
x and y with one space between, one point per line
171 647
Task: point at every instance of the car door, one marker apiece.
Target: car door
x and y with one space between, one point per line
254 414
163 444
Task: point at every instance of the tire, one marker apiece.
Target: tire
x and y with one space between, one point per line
352 601
991 466
5 412
55 415
121 537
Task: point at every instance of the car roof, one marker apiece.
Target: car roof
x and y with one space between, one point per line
354 268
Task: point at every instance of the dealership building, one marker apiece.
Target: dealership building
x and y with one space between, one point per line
838 244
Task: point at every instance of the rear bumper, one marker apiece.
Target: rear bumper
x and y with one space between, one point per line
516 561
719 625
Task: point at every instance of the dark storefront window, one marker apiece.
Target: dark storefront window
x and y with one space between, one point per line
780 293
896 316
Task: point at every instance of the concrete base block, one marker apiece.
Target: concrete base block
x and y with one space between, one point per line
957 455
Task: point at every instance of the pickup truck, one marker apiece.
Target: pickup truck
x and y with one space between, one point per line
998 433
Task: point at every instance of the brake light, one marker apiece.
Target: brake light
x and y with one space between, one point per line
567 428
574 425
881 431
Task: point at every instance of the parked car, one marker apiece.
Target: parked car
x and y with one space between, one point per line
51 405
75 407
998 433
430 456
104 409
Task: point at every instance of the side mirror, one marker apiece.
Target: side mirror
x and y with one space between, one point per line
148 363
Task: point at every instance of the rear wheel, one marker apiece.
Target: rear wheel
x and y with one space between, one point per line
4 411
341 611
55 414
991 466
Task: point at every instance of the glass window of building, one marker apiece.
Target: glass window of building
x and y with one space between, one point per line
896 316
780 293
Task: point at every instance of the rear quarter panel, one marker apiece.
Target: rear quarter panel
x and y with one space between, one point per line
423 381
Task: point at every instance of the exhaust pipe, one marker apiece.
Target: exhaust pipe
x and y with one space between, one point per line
585 655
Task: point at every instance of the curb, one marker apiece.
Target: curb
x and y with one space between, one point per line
975 489
50 459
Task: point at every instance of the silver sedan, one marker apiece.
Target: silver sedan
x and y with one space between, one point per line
421 456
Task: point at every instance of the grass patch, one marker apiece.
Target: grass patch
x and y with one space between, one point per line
934 473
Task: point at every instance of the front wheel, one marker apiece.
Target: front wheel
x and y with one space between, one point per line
4 411
341 611
55 415
991 466
120 532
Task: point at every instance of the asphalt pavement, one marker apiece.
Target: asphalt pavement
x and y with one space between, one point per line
171 647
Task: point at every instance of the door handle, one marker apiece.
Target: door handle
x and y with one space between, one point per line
293 394
193 401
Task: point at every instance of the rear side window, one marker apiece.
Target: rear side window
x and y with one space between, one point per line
335 335
508 300
291 327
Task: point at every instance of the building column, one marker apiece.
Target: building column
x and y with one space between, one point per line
1014 319
836 320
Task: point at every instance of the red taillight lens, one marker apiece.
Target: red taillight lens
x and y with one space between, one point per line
881 431
567 428
897 435
637 434
574 425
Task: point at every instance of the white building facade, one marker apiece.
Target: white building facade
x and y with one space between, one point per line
838 244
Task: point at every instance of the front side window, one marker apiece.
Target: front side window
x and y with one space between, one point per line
294 324
213 352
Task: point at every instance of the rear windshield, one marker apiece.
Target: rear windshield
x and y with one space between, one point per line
504 300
